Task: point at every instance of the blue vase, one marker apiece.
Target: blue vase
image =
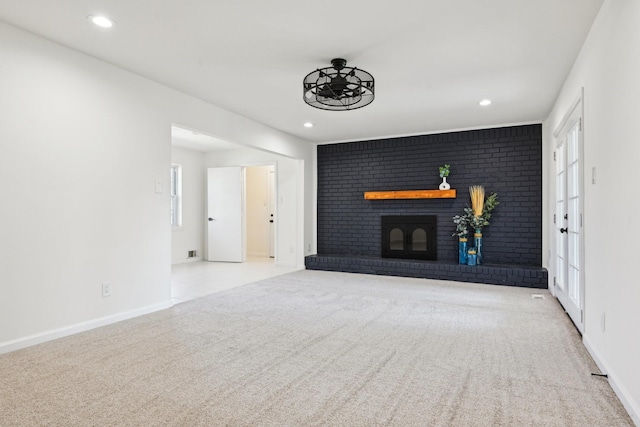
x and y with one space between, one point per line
477 239
462 250
472 257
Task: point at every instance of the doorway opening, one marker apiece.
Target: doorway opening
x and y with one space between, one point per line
197 153
260 211
241 213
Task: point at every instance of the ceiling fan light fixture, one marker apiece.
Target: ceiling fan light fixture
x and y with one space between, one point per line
338 87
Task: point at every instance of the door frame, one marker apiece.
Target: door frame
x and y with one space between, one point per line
275 207
272 199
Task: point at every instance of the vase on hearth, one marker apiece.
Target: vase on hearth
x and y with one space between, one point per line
462 250
472 257
477 240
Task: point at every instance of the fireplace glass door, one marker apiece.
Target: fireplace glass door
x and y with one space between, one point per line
409 237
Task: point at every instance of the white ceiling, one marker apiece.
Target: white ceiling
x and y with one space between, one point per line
432 60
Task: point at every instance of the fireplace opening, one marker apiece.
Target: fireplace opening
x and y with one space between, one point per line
409 237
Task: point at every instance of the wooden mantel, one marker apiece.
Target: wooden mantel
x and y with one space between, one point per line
410 194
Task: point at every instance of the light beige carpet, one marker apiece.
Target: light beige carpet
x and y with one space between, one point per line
316 348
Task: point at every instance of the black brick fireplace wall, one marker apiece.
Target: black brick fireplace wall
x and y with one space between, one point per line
504 160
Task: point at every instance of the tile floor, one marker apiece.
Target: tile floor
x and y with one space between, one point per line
196 279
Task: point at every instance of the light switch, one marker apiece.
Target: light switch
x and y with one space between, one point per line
158 187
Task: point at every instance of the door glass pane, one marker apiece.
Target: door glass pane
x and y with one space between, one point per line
573 210
561 246
573 180
562 264
574 288
396 240
572 141
573 215
572 252
419 239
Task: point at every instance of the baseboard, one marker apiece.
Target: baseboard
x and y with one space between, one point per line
53 334
622 393
186 260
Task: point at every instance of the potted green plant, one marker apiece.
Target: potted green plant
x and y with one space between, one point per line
462 230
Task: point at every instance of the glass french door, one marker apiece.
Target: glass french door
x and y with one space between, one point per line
569 282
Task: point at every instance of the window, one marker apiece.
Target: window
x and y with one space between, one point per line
176 195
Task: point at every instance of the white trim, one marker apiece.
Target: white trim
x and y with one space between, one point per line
568 114
620 391
40 338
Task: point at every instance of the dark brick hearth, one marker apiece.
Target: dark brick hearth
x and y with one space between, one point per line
508 275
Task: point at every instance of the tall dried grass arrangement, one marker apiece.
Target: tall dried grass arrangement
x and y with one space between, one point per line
477 216
477 199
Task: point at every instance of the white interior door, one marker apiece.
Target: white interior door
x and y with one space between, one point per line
569 282
225 214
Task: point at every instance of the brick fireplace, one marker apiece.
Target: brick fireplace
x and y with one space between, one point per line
505 160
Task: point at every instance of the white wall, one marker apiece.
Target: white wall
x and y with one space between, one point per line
190 236
83 145
608 68
292 197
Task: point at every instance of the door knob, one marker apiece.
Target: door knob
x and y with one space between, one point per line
564 230
211 219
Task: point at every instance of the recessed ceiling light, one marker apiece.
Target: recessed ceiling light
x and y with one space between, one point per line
485 102
308 125
101 21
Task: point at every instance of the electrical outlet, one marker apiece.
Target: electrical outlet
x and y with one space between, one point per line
106 289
